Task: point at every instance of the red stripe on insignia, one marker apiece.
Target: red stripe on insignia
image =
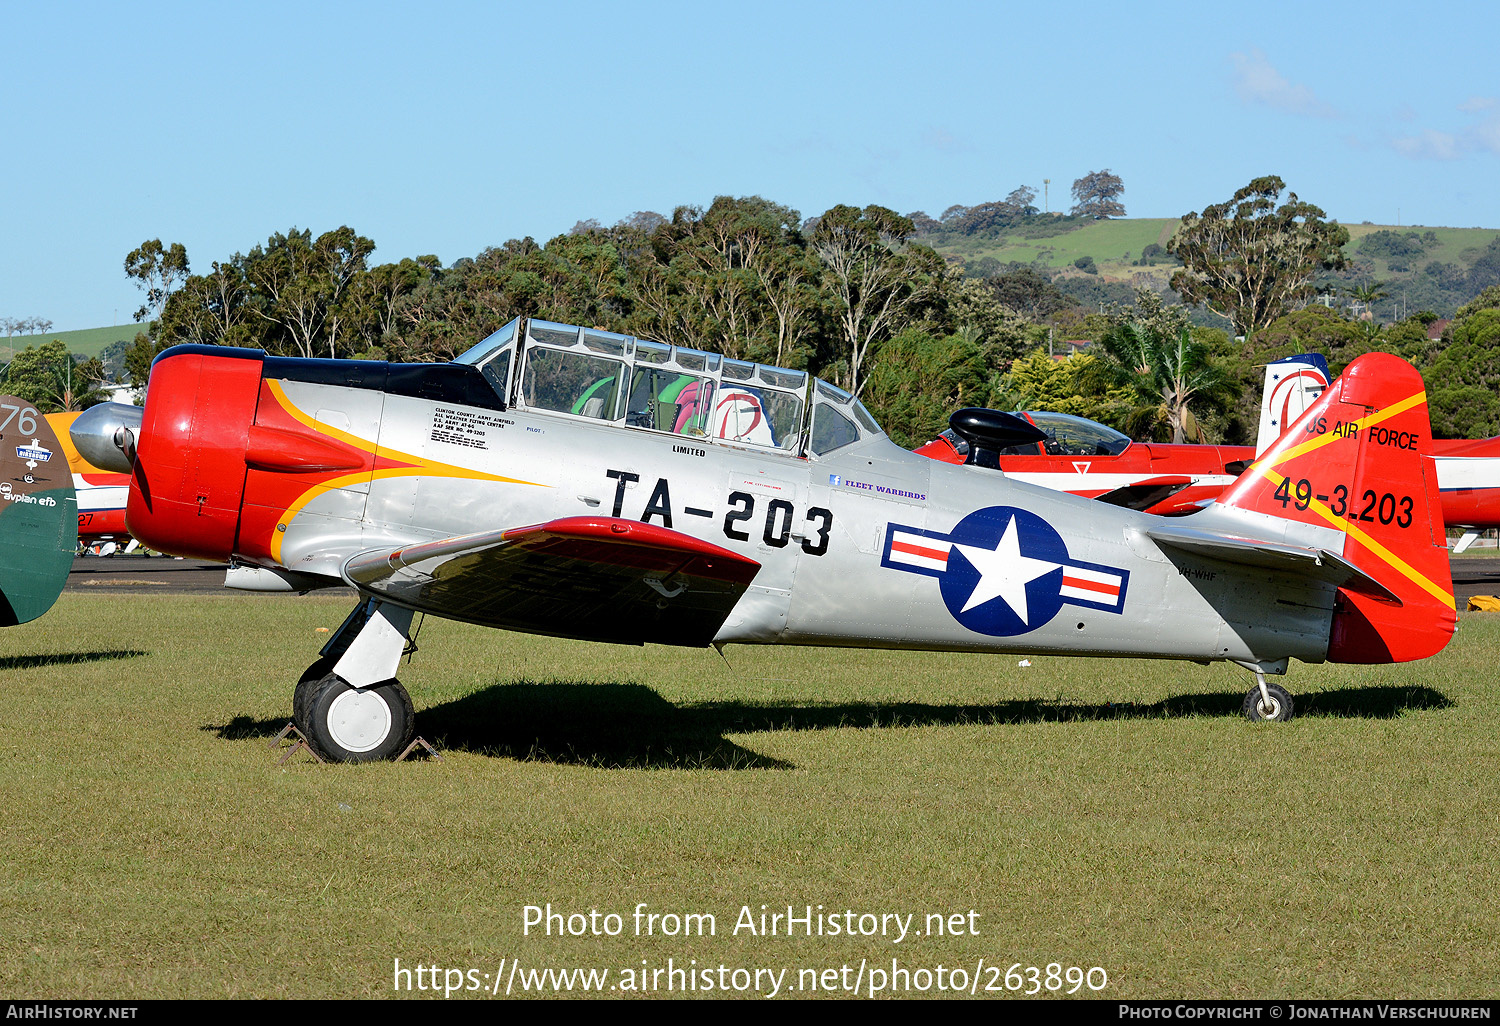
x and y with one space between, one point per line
1103 589
940 555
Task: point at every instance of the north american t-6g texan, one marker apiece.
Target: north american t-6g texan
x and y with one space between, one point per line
573 482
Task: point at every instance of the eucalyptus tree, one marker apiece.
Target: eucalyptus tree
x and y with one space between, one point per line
736 278
158 271
1251 260
874 280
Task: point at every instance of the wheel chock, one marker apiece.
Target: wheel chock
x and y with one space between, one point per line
423 742
299 744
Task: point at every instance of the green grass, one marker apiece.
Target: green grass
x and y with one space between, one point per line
88 341
1093 812
1114 244
1108 242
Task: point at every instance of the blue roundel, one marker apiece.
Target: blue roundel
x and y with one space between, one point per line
1005 571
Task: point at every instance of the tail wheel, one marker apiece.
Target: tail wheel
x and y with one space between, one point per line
347 724
1274 706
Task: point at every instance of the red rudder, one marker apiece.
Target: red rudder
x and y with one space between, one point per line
1359 461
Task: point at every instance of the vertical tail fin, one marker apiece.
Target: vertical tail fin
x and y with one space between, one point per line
1357 462
1292 385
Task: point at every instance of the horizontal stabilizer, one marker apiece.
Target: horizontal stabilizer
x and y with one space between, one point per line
591 578
1308 562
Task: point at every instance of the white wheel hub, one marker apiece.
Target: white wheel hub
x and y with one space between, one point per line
359 720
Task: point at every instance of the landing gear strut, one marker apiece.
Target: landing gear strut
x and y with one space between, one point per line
1269 702
348 703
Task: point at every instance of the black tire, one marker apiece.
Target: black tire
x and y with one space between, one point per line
306 685
1280 709
346 724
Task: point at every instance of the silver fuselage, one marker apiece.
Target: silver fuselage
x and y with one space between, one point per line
820 526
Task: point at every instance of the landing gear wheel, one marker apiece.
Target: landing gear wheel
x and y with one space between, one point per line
1279 708
306 685
359 725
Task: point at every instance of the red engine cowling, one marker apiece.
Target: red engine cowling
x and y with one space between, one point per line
189 475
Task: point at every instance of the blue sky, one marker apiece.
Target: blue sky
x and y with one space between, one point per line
448 127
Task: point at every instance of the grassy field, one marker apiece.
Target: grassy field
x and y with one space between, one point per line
1455 245
1116 814
1114 244
87 341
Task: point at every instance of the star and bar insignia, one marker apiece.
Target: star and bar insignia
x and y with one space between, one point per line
1004 571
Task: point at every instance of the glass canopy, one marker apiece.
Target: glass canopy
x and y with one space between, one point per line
619 379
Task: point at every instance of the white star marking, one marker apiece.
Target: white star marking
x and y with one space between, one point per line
1004 572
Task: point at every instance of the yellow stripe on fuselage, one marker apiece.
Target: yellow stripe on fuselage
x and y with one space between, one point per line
1257 470
416 465
1360 535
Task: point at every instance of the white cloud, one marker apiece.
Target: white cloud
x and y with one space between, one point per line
1487 135
1429 145
1481 137
944 141
1256 81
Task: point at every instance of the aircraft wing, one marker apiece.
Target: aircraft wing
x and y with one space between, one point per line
593 578
1145 494
1304 560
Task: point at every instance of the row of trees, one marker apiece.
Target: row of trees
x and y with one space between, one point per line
1095 195
746 277
13 326
849 294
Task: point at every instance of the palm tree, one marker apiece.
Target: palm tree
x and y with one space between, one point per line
1365 295
70 389
1170 373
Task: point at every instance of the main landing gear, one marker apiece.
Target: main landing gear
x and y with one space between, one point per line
1269 702
348 704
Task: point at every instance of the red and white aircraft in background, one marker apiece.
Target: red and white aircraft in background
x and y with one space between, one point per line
101 495
1085 458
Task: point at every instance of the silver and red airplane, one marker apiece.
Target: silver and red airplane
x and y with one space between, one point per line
573 482
1087 458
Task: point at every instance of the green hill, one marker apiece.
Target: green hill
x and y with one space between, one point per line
1431 268
1111 243
86 341
1460 246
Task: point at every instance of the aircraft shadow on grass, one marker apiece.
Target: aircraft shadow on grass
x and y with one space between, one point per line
623 726
31 662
